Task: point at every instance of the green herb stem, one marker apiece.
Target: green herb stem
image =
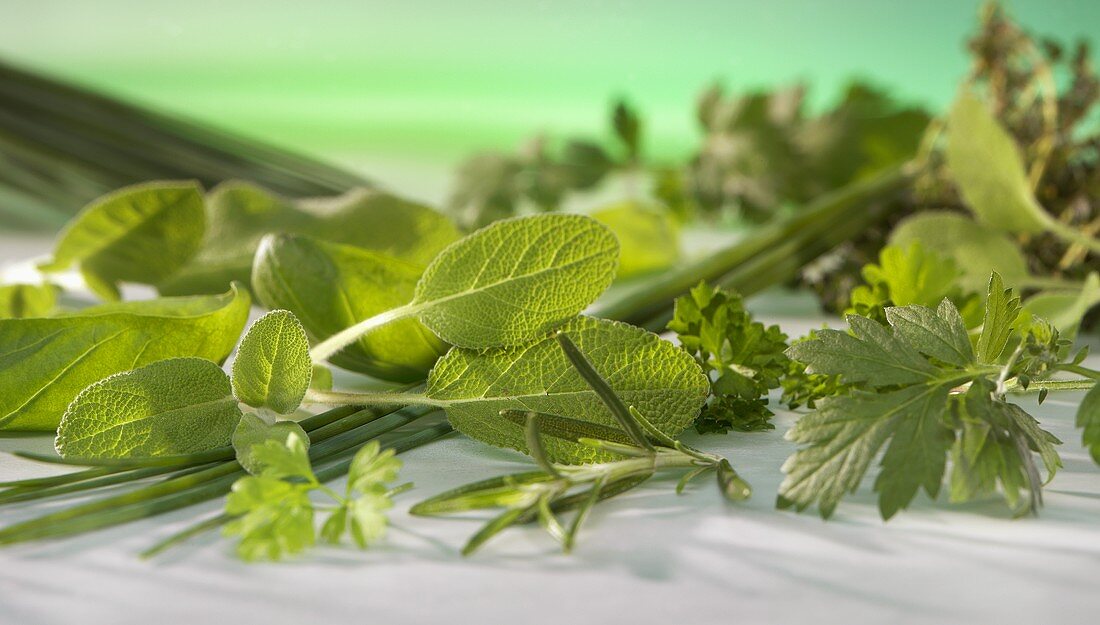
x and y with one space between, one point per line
827 222
328 347
383 398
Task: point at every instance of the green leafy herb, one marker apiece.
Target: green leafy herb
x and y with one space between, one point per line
989 170
170 407
45 363
330 287
142 233
912 275
976 250
253 431
743 358
505 283
20 301
648 237
645 371
272 369
241 214
903 392
556 488
274 516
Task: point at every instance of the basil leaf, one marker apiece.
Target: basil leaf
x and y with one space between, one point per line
174 406
19 301
516 279
272 369
241 214
44 363
660 380
330 287
143 233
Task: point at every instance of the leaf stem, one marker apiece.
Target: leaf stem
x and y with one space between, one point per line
383 398
326 348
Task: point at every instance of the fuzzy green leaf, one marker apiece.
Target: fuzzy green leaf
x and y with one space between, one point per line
516 279
241 214
330 287
143 233
272 369
660 380
871 355
44 363
170 407
989 170
940 333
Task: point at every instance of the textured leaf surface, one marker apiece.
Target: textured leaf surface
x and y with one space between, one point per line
871 355
1001 311
19 301
989 170
330 287
175 406
661 380
516 279
44 363
939 333
272 369
241 214
143 233
989 439
648 237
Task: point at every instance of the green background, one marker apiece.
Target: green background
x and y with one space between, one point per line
432 81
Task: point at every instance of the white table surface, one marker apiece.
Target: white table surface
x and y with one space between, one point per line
649 557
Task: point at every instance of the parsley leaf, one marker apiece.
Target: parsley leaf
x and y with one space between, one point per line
274 514
743 358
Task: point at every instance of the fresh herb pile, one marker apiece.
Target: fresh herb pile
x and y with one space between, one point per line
533 329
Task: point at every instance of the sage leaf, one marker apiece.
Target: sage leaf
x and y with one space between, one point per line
253 430
504 284
660 380
648 237
45 363
241 214
516 279
272 369
19 301
989 170
330 287
142 233
976 250
170 407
